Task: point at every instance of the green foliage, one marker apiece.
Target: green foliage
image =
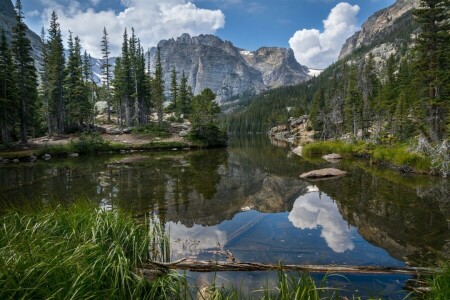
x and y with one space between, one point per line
440 285
154 130
397 155
25 76
80 252
203 117
89 143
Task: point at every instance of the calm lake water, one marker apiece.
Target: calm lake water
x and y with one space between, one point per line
248 199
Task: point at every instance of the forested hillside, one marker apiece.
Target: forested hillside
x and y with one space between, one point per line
394 88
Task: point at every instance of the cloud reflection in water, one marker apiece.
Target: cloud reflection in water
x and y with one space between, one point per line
314 210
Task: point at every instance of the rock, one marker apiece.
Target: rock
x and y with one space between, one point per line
183 133
31 158
5 160
174 149
47 156
74 155
298 151
123 151
323 173
158 139
101 107
16 161
127 130
332 157
114 131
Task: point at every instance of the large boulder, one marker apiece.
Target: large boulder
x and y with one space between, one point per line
323 173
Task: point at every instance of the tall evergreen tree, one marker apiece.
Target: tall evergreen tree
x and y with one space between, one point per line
26 73
44 88
106 70
158 88
55 64
183 95
78 104
174 90
8 95
433 62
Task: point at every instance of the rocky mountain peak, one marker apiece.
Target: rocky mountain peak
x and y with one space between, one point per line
228 71
7 8
379 25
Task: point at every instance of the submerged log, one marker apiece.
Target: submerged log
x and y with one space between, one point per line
220 266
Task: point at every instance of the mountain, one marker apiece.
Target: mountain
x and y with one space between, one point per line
384 29
8 21
389 31
228 71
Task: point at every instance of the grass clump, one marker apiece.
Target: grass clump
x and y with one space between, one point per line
77 253
397 155
328 147
440 285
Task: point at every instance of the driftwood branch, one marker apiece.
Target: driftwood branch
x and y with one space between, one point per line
219 266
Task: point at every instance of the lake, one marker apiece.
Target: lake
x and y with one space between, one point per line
248 199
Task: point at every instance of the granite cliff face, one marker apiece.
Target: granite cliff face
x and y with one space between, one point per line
227 70
383 28
8 21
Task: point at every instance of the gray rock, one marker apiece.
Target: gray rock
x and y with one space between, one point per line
323 173
183 133
127 130
47 156
298 151
332 157
16 161
74 155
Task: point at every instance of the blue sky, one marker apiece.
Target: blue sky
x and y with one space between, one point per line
249 24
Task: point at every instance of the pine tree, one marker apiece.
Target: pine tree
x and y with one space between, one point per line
55 65
183 97
106 70
401 116
158 88
78 104
8 93
174 90
352 102
26 73
126 79
434 63
119 94
44 90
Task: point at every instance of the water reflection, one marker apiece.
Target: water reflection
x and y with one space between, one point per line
248 199
315 210
189 242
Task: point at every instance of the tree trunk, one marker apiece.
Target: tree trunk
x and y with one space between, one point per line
212 266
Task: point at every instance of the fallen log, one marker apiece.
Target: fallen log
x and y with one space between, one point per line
222 266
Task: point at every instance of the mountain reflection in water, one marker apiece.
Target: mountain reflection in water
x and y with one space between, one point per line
248 199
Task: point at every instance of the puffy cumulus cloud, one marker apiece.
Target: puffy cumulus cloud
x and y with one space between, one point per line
317 49
152 20
315 210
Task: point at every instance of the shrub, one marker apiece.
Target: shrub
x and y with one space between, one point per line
209 135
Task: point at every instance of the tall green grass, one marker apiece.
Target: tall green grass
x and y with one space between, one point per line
440 285
76 253
396 155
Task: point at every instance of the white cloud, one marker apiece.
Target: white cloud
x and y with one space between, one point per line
317 49
152 20
315 210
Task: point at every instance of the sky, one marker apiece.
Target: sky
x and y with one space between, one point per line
314 29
